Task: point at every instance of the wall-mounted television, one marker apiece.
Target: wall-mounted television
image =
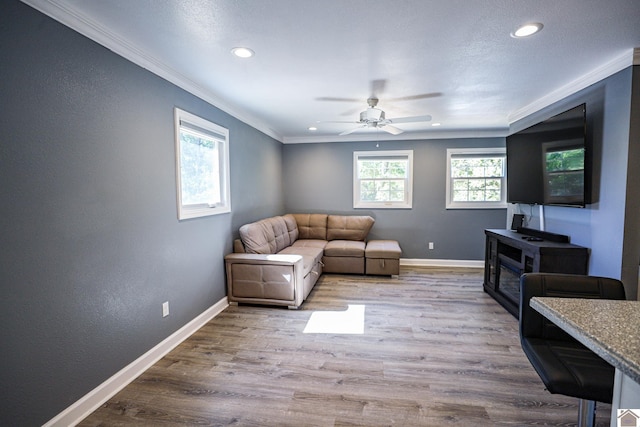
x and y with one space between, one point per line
549 163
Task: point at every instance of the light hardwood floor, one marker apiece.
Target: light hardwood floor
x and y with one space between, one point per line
435 350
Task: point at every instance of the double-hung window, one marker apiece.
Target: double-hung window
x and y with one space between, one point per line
383 179
202 167
476 178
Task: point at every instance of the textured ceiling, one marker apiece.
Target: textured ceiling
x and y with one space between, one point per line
321 60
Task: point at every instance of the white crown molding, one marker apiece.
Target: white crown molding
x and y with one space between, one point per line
407 136
608 69
105 391
121 47
106 38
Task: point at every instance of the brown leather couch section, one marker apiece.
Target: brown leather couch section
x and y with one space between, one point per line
278 260
343 227
312 226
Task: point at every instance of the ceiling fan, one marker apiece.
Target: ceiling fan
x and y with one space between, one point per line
374 117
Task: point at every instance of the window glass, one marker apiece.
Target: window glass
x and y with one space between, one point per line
202 167
476 178
382 179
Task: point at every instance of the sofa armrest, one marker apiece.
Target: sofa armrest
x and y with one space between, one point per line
265 278
238 247
276 259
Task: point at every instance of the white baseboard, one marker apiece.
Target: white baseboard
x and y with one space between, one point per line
416 262
99 395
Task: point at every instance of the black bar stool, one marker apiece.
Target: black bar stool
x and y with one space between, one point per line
564 365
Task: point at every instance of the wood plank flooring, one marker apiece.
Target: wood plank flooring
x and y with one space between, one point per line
436 350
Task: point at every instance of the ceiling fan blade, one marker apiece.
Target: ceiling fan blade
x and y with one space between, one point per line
338 121
337 99
414 119
347 132
391 129
415 97
351 111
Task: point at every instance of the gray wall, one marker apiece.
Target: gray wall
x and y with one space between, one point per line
609 226
91 244
319 178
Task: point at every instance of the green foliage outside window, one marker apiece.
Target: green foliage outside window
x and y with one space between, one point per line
382 180
477 179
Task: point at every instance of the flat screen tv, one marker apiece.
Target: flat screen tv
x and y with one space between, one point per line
549 163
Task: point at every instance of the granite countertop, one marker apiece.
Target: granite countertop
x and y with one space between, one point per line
609 328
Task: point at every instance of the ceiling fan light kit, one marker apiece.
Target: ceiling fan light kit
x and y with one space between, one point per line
371 114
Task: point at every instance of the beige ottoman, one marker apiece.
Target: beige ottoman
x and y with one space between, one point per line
382 257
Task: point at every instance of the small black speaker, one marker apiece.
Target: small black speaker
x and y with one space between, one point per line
517 221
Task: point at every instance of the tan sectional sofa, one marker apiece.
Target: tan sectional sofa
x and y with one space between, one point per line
278 260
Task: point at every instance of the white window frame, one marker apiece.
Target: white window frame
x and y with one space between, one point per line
408 193
220 136
476 152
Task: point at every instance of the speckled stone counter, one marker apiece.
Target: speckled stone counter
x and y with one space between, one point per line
610 329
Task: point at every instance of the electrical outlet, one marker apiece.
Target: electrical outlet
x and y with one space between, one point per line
165 309
430 245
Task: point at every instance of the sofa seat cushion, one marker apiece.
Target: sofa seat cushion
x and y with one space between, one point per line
310 243
345 248
388 249
348 227
310 256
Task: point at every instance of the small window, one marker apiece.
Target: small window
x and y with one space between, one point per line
382 179
476 178
202 167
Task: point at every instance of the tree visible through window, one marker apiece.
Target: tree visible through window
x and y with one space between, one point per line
476 178
199 169
202 163
383 179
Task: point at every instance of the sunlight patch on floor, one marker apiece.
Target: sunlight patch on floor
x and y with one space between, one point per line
350 321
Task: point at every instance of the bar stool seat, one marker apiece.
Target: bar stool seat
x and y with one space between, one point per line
564 365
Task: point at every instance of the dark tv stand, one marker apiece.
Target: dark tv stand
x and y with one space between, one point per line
509 254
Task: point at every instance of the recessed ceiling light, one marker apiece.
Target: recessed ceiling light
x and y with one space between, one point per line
242 52
313 128
435 124
527 30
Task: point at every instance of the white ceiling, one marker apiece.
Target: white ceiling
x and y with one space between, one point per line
460 51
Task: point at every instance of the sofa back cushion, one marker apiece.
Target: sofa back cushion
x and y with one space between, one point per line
348 227
292 228
267 236
311 226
